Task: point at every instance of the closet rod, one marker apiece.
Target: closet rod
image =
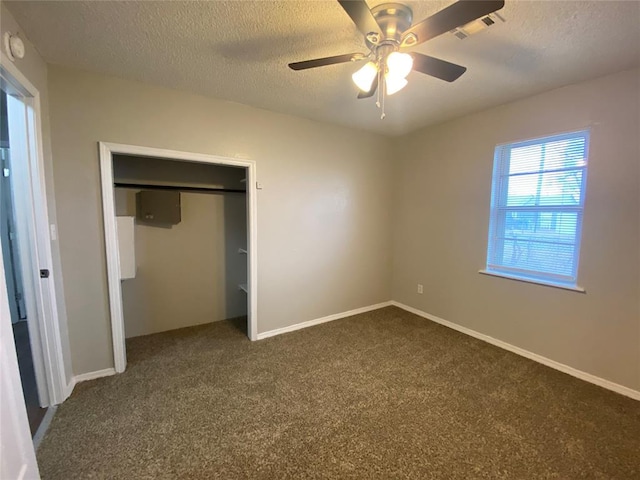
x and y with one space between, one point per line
143 186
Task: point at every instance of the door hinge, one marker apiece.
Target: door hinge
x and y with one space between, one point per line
44 273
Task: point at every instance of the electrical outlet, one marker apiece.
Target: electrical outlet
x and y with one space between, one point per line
420 289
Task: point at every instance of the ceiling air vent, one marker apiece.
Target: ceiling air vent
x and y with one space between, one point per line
478 25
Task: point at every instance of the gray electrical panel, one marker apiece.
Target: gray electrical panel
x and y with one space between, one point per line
157 207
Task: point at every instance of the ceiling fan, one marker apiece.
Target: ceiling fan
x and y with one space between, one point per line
388 31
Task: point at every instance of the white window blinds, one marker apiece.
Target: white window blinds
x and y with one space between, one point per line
536 208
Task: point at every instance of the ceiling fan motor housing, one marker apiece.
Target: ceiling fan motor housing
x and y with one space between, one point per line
394 19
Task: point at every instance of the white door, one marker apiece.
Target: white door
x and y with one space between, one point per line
17 456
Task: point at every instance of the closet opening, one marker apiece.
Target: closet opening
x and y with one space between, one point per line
180 237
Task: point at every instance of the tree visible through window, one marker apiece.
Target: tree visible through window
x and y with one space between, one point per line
536 208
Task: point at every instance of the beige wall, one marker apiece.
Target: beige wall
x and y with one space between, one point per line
187 274
323 213
441 215
33 67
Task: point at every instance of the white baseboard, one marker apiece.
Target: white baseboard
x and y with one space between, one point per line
621 389
70 388
317 321
44 426
83 377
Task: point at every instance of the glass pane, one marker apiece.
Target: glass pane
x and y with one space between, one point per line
525 159
554 155
541 226
557 188
523 190
538 257
561 188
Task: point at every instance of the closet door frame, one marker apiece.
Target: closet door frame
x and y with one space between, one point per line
107 150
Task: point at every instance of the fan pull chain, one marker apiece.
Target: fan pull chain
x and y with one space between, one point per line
383 88
378 92
384 95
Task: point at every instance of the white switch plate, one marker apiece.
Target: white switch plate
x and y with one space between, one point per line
420 288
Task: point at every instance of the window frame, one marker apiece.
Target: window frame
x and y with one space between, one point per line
499 209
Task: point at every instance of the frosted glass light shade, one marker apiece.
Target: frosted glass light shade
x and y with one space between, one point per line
394 83
364 77
399 64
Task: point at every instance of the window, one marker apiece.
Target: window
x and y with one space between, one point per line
537 201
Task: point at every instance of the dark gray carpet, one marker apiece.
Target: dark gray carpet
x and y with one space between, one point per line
380 395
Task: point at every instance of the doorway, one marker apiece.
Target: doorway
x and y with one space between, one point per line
247 169
26 247
10 242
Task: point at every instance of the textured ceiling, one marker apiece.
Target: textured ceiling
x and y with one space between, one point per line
239 50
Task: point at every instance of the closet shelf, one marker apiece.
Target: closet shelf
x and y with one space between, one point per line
243 287
179 188
242 251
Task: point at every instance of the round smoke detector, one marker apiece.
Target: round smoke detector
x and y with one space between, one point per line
13 46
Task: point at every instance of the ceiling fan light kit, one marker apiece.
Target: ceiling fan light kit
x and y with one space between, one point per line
364 77
394 84
399 64
387 29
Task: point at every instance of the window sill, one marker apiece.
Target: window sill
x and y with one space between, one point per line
529 280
